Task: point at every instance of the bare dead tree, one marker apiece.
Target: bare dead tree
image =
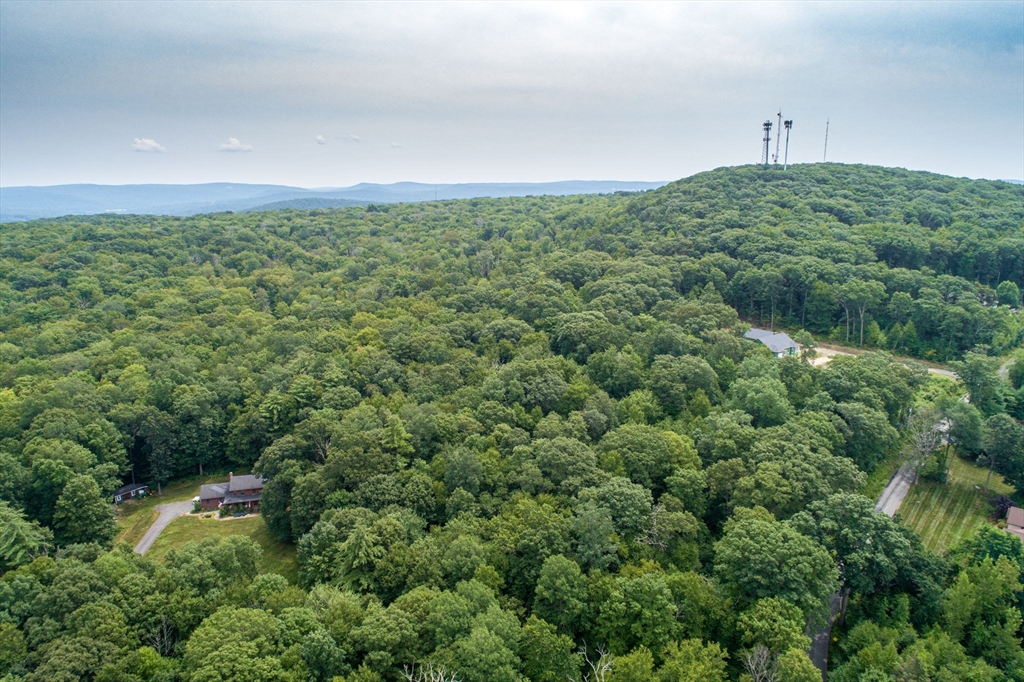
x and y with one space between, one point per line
761 664
652 535
426 672
162 637
595 669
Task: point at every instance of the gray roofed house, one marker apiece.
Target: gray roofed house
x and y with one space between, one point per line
213 491
246 482
238 491
778 343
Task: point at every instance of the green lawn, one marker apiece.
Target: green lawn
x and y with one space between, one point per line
136 516
278 557
945 514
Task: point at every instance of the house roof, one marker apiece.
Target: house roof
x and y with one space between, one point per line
1015 517
127 489
247 482
213 491
777 342
236 499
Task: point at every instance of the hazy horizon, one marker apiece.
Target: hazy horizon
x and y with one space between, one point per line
319 95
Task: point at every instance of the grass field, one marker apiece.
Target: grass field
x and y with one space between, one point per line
278 557
945 514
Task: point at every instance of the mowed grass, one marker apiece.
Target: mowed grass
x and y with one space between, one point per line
278 557
943 515
134 517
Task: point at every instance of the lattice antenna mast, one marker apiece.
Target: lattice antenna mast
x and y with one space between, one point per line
767 138
824 154
789 126
778 138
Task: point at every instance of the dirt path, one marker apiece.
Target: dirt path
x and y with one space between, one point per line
827 351
168 512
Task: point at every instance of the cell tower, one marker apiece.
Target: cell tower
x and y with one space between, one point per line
789 126
767 138
778 138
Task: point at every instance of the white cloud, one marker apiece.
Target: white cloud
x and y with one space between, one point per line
319 139
395 145
354 138
144 144
235 145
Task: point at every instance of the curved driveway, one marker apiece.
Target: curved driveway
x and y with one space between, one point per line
168 512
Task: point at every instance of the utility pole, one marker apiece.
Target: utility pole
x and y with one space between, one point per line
775 160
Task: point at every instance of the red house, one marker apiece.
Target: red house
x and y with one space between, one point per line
238 492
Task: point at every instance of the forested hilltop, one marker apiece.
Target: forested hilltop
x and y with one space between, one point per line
516 439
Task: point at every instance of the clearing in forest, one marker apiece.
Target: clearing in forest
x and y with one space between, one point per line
136 516
278 557
945 514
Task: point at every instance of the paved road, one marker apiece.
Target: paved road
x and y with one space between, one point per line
892 497
820 639
888 503
168 512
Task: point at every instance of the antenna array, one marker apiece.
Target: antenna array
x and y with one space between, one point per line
767 138
766 146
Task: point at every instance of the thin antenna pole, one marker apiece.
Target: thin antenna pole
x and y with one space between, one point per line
789 126
777 140
767 138
825 153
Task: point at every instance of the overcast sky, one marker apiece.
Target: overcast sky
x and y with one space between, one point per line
331 94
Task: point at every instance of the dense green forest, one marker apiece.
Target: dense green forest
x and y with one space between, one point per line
517 439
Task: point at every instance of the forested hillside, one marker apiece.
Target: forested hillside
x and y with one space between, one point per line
514 438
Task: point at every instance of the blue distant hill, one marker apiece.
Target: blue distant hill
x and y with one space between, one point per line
30 203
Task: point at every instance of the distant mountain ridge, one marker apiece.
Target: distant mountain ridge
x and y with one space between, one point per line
30 203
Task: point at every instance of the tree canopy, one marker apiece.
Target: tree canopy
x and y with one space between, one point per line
512 438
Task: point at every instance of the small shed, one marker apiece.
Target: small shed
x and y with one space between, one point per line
130 491
778 343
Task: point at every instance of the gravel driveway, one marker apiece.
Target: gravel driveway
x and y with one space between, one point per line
168 512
